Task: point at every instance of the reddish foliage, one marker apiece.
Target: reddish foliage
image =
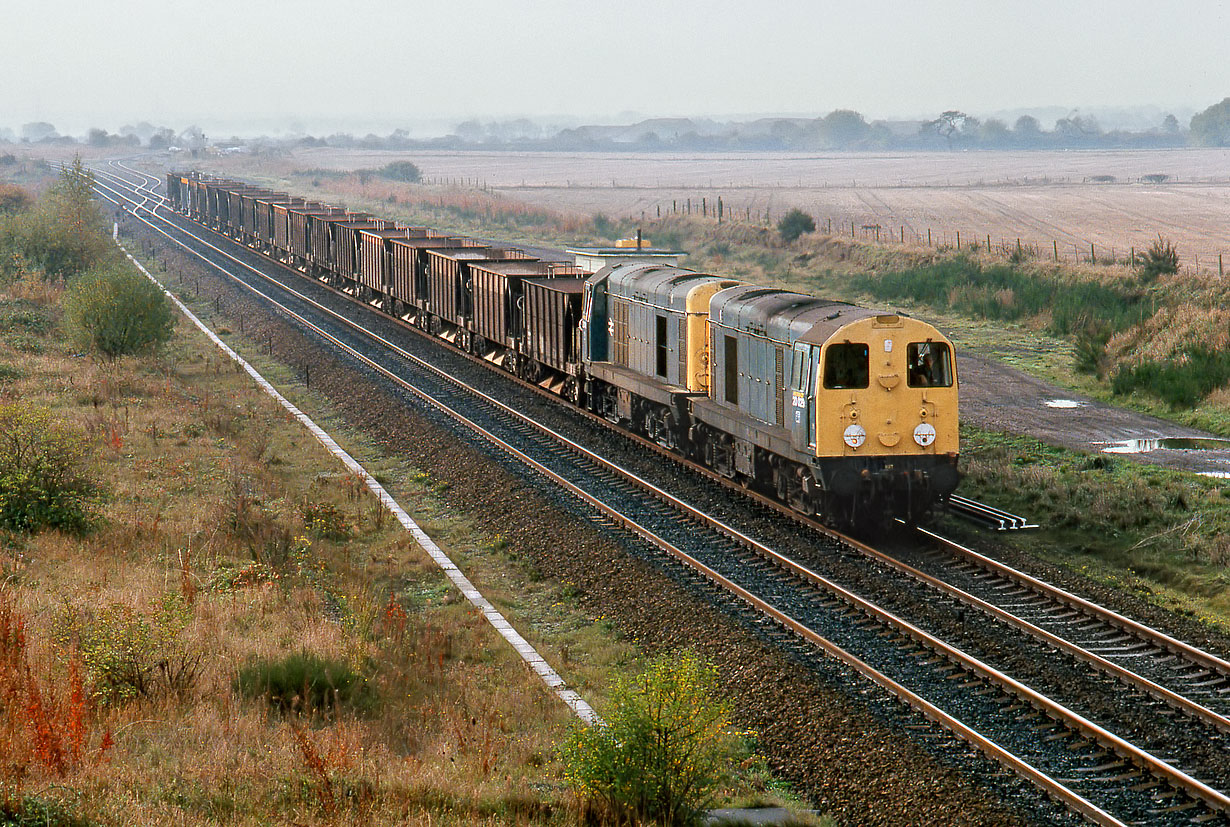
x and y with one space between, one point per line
318 769
76 710
38 726
48 745
394 618
104 746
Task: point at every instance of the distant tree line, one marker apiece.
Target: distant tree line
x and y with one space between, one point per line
841 129
142 135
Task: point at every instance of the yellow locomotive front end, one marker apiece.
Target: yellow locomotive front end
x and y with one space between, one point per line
885 415
888 387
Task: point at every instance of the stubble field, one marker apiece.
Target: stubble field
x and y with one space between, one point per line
1047 199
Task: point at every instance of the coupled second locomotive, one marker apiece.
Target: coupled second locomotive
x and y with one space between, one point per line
838 410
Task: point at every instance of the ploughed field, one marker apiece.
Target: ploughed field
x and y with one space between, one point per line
1041 197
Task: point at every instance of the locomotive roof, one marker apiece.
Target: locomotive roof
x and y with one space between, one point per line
641 280
782 315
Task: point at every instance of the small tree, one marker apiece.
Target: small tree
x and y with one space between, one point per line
43 479
1162 258
661 753
794 224
65 234
114 311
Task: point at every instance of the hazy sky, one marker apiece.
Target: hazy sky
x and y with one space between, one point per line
78 63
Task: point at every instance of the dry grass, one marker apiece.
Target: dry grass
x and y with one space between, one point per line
206 479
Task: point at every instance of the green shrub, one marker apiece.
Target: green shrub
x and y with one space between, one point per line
304 682
663 749
115 311
1181 382
794 224
62 235
23 316
1162 258
130 654
43 477
13 199
1091 349
401 171
604 227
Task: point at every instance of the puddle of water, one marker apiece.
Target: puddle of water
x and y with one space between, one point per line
1144 446
1064 403
1220 475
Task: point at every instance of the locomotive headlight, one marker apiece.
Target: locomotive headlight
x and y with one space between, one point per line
855 435
924 434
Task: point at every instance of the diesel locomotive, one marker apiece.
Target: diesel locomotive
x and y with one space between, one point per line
837 410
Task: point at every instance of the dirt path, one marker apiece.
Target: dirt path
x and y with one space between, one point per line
997 397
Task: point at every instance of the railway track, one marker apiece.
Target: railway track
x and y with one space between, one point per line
987 515
915 664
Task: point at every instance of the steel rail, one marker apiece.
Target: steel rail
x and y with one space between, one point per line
1161 639
987 514
1156 766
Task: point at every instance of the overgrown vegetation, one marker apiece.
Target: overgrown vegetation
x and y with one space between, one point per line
1007 293
404 171
33 812
1161 259
57 237
662 749
131 654
44 478
1181 382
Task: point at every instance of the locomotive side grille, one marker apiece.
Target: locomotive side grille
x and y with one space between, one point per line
779 358
619 332
683 351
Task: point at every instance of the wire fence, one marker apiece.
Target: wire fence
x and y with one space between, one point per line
884 231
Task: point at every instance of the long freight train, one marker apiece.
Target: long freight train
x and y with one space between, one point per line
838 410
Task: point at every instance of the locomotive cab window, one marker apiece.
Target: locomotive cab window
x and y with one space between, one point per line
930 365
845 366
